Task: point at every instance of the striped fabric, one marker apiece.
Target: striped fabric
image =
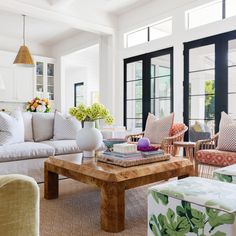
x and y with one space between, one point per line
11 128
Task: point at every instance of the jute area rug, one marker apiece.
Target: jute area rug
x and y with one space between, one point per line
77 211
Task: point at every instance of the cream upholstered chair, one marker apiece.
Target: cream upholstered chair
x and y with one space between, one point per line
19 206
176 135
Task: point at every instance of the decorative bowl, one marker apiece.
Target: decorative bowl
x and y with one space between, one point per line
110 142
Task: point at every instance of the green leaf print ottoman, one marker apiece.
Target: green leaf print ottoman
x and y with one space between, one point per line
192 206
226 174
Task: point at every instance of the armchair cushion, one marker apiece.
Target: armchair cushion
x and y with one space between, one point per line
157 129
216 157
19 197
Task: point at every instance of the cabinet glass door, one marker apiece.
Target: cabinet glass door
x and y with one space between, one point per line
50 81
39 78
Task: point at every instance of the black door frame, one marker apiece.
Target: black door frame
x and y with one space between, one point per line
221 72
75 86
146 85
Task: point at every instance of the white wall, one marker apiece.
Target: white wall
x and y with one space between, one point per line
152 12
82 66
105 72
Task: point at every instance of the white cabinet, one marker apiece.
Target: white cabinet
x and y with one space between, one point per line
18 83
44 82
24 83
23 77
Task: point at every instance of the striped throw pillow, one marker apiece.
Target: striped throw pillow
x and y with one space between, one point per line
11 128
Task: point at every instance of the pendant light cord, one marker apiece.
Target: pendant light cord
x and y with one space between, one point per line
23 30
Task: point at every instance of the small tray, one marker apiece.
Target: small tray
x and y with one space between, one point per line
132 161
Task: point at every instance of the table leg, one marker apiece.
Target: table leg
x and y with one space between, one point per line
112 208
190 172
50 184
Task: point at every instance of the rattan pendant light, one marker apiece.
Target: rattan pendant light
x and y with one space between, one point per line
24 57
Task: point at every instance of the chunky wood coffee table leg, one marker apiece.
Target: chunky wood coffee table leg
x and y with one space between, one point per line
50 183
112 208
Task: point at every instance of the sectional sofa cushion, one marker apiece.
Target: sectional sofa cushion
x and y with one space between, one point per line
43 126
65 127
63 146
11 128
26 150
27 118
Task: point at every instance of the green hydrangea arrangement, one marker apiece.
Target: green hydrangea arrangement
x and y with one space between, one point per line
91 113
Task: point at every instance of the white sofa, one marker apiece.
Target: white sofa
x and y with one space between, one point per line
28 157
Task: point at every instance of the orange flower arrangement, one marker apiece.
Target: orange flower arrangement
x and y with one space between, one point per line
38 105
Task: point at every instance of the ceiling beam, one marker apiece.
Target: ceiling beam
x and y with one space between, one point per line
60 3
50 14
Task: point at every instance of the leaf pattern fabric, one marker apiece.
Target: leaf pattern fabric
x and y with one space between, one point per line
171 214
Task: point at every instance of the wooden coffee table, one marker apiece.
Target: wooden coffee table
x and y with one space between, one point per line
112 180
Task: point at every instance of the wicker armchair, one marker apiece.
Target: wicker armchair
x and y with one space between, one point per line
208 158
177 134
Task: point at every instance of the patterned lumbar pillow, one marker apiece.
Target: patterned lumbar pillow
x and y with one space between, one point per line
65 127
157 129
227 134
11 128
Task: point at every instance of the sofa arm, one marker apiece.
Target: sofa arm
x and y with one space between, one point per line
19 208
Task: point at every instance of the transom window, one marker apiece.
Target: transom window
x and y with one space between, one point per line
148 33
210 12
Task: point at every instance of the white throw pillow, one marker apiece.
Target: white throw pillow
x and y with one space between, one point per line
157 129
27 118
65 127
43 126
11 128
227 133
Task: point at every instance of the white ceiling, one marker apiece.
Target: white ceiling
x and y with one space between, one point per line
51 32
37 31
113 6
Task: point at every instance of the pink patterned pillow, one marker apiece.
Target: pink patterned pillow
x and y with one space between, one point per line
227 134
157 129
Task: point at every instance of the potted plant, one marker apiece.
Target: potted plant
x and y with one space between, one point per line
89 138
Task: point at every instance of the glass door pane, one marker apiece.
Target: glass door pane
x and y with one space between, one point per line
161 85
134 88
39 78
202 86
50 81
232 78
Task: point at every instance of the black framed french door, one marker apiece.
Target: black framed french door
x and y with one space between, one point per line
210 79
148 87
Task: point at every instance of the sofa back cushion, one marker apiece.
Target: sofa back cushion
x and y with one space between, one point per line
65 127
11 128
43 126
227 134
27 118
157 129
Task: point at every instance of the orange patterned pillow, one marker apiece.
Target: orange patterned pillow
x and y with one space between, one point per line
176 128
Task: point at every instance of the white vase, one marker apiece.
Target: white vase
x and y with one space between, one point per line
89 139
